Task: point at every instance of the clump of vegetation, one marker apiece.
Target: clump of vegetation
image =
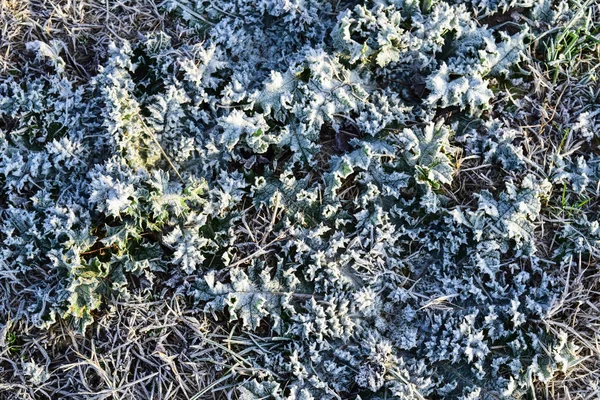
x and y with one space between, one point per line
312 200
